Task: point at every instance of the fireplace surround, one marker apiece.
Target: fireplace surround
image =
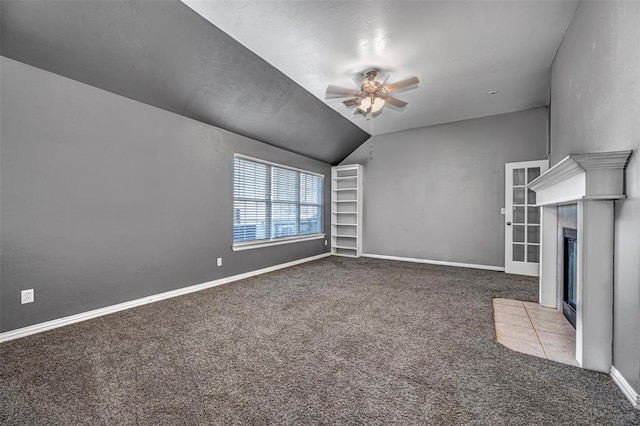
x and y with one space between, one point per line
591 182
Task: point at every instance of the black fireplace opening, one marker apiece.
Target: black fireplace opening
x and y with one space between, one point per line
570 238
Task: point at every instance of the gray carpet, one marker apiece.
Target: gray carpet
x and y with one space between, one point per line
336 341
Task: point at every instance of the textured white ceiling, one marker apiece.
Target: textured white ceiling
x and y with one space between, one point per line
460 50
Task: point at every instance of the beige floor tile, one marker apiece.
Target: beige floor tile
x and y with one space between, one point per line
561 354
510 310
547 316
502 301
512 319
517 332
524 346
553 326
566 339
543 332
538 307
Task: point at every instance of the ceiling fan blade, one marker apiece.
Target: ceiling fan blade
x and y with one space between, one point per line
395 102
352 102
411 81
340 92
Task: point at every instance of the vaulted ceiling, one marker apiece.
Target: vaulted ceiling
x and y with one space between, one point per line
260 68
164 54
460 50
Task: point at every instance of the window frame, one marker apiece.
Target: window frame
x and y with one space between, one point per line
246 245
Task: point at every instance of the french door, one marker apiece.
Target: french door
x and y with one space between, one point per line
522 218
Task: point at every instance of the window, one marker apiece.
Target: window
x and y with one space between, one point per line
274 203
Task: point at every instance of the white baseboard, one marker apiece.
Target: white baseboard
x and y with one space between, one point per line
435 262
83 316
626 388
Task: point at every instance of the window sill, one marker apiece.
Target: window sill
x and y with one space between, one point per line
260 244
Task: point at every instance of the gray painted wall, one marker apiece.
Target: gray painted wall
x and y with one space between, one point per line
164 54
595 106
105 199
435 192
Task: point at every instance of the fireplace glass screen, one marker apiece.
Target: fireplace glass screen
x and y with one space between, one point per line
570 247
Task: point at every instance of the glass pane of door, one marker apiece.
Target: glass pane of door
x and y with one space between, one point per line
532 173
533 233
518 252
518 177
518 233
518 195
518 215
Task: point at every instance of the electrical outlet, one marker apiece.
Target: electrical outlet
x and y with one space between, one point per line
219 261
26 296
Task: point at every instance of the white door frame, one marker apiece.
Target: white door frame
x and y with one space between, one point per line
511 266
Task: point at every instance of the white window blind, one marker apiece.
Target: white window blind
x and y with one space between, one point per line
272 202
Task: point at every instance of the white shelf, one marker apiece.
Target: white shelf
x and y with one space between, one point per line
345 247
352 174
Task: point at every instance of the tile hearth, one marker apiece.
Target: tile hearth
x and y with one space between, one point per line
535 330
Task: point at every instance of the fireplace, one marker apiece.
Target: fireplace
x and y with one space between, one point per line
576 197
569 285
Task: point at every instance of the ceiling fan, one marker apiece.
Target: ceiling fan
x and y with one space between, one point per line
372 95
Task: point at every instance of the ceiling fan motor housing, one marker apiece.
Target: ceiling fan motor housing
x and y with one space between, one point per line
371 87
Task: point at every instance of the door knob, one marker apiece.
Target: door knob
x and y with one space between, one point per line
508 223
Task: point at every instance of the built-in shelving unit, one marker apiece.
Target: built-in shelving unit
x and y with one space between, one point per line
346 210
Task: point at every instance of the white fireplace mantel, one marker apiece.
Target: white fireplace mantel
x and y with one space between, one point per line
597 176
593 182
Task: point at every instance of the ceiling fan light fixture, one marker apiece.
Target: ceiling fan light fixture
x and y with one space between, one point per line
377 105
365 104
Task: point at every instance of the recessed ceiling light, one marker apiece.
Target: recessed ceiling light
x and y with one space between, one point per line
493 92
